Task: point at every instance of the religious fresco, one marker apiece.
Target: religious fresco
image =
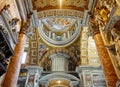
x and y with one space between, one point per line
59 23
59 31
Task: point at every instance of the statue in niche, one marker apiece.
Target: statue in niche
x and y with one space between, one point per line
116 34
114 43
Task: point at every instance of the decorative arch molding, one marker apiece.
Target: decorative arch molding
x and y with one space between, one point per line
59 75
66 78
61 51
61 12
46 57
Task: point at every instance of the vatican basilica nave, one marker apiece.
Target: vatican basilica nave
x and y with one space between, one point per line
59 43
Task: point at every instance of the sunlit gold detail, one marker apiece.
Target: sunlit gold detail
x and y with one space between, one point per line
118 2
59 82
60 3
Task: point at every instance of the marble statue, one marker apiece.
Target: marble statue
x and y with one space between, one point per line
116 34
114 46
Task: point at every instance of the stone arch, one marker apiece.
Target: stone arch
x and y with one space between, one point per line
46 58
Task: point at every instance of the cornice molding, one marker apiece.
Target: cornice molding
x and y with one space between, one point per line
61 12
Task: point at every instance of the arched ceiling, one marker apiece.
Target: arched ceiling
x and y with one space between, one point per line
61 20
59 31
57 19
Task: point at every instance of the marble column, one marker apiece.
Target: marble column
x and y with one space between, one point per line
108 68
12 73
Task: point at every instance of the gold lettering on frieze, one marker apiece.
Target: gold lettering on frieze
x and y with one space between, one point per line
79 14
65 13
45 13
41 15
58 12
54 13
49 13
71 13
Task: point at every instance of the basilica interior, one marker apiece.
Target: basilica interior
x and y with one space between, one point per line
59 43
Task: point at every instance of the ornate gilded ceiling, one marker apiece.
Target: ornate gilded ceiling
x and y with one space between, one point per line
60 23
41 5
69 8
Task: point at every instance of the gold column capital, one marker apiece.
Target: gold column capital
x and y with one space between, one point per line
25 26
94 26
